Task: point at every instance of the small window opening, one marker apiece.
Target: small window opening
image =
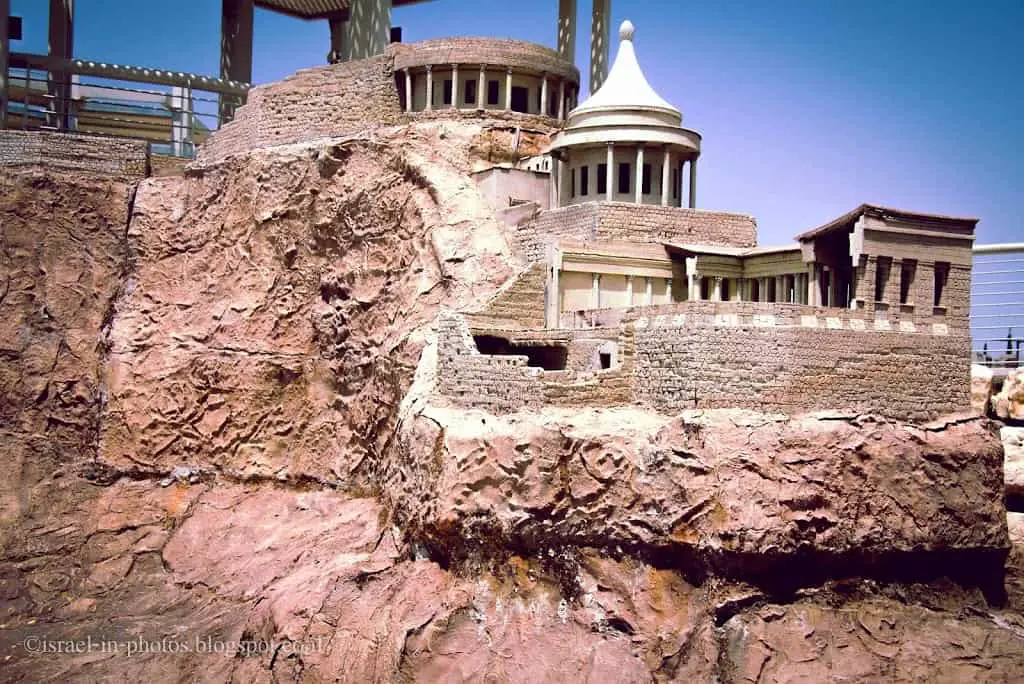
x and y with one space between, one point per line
606 360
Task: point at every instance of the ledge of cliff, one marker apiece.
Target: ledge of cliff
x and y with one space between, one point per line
224 460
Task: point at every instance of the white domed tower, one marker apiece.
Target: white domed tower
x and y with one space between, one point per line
626 143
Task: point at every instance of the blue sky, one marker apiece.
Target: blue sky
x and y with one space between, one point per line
807 107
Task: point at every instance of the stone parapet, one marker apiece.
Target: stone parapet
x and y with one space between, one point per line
118 158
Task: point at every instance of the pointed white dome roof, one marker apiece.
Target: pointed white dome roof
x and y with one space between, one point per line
626 110
626 86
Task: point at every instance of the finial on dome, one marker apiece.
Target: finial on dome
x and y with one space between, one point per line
627 30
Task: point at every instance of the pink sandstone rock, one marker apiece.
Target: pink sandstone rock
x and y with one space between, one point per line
1009 403
981 388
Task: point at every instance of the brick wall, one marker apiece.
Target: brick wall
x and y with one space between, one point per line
521 301
709 358
118 158
633 223
330 101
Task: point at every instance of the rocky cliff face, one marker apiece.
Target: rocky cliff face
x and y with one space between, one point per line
225 461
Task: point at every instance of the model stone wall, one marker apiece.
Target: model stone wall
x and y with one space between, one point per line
706 360
634 223
111 157
330 101
521 301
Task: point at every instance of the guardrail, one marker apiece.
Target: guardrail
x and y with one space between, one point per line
173 111
997 305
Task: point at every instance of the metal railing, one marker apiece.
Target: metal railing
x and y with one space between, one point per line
997 305
173 111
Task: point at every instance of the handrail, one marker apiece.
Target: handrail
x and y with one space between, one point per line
25 60
1001 278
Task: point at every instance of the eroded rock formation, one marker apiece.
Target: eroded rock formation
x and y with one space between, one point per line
225 459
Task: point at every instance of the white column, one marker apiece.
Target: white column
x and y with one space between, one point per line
609 174
430 88
812 284
780 289
668 289
408 90
737 291
691 287
629 290
508 89
639 174
481 88
829 277
693 183
455 86
649 292
762 289
595 292
544 95
561 99
716 293
665 174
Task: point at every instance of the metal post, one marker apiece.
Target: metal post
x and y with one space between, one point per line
5 52
62 17
599 35
235 51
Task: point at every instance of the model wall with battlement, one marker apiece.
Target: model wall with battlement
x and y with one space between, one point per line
119 158
497 53
703 359
768 357
633 223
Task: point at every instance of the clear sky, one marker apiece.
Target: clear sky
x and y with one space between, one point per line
807 107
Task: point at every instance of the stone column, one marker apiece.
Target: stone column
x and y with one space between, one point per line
665 174
595 292
762 289
554 304
544 95
599 34
826 275
508 90
567 30
737 292
693 183
609 190
780 289
668 289
812 284
639 198
561 99
408 91
430 88
716 292
629 290
649 292
5 53
481 88
455 86
691 287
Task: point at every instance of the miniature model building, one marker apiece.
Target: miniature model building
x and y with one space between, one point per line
626 296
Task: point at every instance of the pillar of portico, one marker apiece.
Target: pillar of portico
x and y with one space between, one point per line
544 95
649 292
595 292
639 195
780 289
665 173
737 291
827 281
668 288
561 99
716 292
692 293
762 293
430 88
408 91
608 173
693 183
508 90
455 86
812 285
481 88
629 290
